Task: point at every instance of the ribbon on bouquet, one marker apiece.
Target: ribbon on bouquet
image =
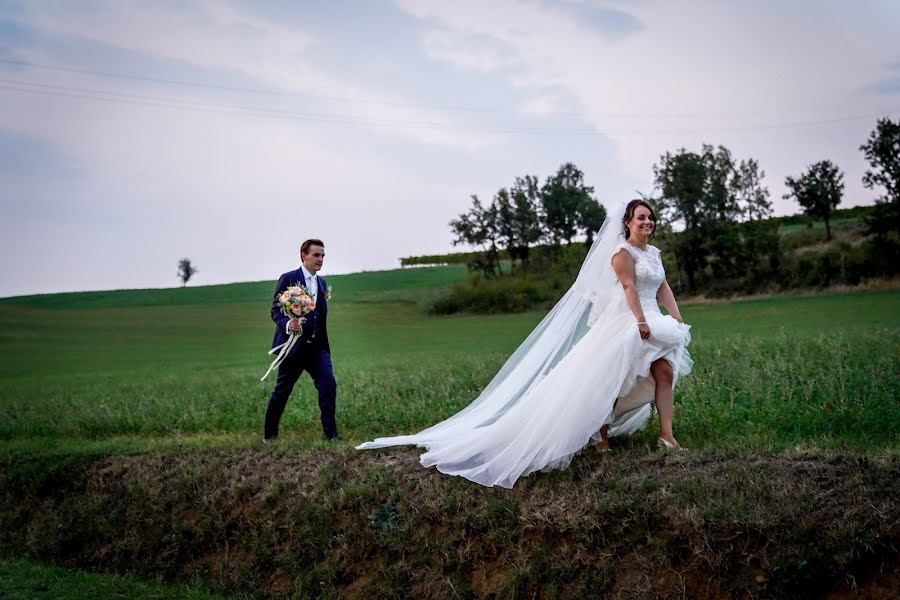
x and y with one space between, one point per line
283 351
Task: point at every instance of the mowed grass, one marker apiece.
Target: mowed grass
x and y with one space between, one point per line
26 580
154 368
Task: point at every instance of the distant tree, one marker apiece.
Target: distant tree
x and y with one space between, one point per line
185 271
480 227
681 179
591 215
818 191
882 150
749 191
506 226
568 206
707 195
722 180
527 214
559 203
520 220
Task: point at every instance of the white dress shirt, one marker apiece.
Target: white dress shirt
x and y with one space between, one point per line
312 283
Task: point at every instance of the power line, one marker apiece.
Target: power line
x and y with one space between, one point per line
177 103
90 94
257 90
360 100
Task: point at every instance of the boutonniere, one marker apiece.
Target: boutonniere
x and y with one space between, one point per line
328 293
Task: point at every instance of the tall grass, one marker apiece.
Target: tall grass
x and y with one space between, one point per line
773 373
792 414
26 580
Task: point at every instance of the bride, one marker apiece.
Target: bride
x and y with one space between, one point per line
592 368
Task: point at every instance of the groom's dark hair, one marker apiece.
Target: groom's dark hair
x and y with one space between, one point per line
305 246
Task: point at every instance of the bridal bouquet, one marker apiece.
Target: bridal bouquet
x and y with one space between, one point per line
295 302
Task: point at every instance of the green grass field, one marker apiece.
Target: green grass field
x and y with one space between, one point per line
130 426
819 225
148 367
24 580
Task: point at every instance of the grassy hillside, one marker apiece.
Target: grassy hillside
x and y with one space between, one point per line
25 580
130 363
337 523
130 428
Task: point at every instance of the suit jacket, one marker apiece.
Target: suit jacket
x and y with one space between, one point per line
315 328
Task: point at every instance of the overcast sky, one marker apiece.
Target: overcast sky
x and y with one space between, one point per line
135 133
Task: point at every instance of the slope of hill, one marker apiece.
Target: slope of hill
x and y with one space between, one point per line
130 443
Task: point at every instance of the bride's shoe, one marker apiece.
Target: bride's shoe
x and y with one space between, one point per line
666 444
602 444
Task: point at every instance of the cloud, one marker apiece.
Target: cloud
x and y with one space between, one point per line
599 17
223 37
373 137
477 52
768 81
542 105
890 85
235 195
126 188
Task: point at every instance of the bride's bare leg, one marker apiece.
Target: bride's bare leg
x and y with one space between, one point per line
662 374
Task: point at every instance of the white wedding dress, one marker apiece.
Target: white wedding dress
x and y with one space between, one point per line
583 367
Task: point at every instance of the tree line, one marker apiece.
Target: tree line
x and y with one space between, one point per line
528 214
717 204
713 214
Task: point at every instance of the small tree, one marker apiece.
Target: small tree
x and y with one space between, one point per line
518 218
526 195
591 215
882 150
818 191
681 179
569 207
752 196
710 194
479 227
185 271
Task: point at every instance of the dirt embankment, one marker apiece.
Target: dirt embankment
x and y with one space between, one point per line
368 525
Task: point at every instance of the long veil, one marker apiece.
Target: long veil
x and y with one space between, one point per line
593 291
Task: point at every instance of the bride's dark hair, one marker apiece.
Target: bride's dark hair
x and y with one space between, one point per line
629 214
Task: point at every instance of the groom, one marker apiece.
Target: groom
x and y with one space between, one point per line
311 353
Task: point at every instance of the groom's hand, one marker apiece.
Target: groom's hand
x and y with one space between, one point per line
294 325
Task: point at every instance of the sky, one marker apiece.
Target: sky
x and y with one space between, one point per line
134 133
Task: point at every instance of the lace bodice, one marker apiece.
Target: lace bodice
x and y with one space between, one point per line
649 273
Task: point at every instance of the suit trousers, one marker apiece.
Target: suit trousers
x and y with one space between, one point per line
317 362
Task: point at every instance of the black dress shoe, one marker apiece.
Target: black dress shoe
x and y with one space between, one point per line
334 438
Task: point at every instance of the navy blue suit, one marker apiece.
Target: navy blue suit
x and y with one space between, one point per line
311 353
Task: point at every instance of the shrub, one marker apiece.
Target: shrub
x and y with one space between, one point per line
508 294
752 258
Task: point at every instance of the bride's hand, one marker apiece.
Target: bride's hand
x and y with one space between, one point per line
644 330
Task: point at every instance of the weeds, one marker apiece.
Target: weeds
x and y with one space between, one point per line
747 524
